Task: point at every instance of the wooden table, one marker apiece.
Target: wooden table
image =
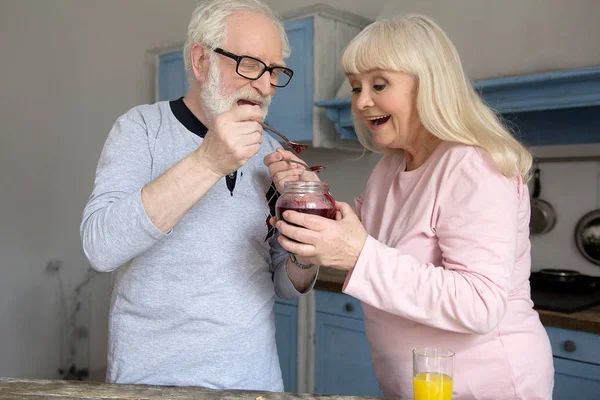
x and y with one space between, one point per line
35 389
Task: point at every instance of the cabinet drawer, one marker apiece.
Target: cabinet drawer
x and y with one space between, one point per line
338 304
574 345
575 380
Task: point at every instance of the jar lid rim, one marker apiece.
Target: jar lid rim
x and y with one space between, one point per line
306 185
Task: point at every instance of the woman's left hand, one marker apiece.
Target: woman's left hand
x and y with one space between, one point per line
325 242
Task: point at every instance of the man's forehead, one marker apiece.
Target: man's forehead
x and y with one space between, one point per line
255 36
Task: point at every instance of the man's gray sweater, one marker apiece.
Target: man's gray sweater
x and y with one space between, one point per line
194 306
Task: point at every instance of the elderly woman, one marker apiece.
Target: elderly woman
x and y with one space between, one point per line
437 247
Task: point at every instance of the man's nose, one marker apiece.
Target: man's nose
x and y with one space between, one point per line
263 84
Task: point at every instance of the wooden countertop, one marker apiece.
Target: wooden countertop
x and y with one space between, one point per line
330 279
35 389
586 321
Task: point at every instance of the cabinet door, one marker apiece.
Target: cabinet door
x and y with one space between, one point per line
574 345
575 380
291 110
286 325
172 80
342 357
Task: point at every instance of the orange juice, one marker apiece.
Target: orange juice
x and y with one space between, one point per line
432 386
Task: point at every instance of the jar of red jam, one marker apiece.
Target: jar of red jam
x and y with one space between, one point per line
306 197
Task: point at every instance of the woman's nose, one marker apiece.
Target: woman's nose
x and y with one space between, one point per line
364 100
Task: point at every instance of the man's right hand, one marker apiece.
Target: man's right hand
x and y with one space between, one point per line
234 137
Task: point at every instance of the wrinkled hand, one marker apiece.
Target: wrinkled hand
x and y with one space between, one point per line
325 242
234 137
282 171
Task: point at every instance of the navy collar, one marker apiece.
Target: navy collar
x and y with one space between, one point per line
187 117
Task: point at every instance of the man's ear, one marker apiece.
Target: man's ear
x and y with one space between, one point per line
199 56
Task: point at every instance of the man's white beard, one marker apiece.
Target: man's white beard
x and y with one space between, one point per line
216 102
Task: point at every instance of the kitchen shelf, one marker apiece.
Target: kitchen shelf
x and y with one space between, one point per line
559 107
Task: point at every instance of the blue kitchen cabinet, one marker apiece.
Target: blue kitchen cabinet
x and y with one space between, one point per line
342 357
576 364
575 380
286 337
291 108
172 80
317 35
339 111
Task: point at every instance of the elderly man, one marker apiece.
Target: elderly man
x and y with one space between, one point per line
180 211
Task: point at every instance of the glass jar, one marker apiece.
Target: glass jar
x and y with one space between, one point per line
306 197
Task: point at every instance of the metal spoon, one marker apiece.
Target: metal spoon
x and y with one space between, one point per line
315 168
297 147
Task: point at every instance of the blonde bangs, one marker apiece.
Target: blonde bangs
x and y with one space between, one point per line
377 47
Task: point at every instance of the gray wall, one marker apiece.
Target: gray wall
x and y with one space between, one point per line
512 37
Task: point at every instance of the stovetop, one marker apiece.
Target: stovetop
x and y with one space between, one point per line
564 302
567 295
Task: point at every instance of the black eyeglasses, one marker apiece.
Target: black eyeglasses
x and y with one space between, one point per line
253 68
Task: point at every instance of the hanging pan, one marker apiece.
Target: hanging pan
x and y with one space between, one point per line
587 236
543 216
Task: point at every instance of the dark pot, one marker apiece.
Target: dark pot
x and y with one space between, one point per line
563 281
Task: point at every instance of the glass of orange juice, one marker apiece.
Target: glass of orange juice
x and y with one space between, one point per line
432 373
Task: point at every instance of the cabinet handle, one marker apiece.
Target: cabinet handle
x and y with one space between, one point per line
569 346
349 307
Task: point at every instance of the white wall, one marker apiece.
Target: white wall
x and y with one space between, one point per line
65 77
70 67
513 37
346 172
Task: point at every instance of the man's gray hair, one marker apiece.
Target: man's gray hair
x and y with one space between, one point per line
208 25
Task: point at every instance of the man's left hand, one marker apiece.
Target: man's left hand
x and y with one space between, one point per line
282 171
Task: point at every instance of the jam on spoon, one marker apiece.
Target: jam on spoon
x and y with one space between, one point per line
297 147
314 168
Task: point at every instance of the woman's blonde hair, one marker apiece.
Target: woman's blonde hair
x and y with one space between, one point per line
448 105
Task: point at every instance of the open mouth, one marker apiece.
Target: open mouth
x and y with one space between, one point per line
377 121
242 102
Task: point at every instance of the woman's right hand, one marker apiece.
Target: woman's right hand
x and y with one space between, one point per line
325 242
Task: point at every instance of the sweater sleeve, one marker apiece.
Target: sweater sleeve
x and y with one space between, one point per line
115 226
284 288
475 222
